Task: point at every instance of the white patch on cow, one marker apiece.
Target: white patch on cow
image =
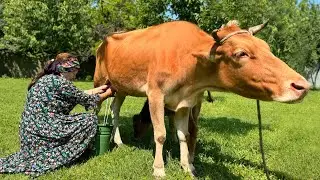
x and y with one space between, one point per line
174 101
115 111
173 105
117 137
290 95
144 88
159 172
181 121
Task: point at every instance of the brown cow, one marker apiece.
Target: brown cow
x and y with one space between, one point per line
175 62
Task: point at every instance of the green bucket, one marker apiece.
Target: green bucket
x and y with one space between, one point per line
102 140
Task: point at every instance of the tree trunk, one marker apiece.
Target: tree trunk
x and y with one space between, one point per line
316 76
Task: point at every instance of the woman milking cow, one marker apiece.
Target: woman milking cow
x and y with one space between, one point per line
51 137
152 63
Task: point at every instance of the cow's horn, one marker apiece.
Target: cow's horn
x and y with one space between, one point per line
255 29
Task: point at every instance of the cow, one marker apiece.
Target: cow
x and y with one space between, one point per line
174 63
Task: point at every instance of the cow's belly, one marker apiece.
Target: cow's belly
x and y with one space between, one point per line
129 81
175 102
131 89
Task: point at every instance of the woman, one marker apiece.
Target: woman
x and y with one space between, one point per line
50 137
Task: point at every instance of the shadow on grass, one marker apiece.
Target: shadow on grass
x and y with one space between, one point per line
217 169
226 125
209 149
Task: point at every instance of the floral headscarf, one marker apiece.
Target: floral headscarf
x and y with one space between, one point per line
69 65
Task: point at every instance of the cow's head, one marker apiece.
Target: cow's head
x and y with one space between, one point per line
245 65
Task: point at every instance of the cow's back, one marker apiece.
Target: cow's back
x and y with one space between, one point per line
136 59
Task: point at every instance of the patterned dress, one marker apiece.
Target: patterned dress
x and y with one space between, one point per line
50 137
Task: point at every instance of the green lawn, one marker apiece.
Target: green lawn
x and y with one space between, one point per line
228 146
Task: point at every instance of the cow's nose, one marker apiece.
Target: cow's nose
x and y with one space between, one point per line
301 86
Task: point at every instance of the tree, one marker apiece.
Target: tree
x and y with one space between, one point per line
292 32
188 10
41 28
1 21
122 15
311 40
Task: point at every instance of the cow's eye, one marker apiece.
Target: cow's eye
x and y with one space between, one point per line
241 54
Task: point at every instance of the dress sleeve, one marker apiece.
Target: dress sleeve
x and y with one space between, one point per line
71 93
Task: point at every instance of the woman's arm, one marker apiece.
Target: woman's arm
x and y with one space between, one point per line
103 91
72 94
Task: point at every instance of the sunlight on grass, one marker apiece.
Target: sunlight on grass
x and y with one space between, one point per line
227 148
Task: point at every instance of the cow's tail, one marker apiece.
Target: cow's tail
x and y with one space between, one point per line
100 73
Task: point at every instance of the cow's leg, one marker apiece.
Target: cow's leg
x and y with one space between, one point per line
115 111
181 120
156 106
193 130
173 130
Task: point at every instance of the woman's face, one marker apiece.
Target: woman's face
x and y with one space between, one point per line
70 75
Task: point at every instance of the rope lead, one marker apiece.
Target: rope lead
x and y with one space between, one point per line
266 171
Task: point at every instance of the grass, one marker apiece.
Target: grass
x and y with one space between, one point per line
227 148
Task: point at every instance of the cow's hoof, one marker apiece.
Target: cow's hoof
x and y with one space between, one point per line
119 145
159 172
193 172
189 168
192 168
118 142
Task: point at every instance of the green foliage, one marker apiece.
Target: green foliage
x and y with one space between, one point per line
188 10
43 28
1 19
88 78
150 12
292 32
227 146
122 15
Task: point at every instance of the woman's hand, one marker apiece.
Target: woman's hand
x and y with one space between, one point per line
97 90
100 89
108 93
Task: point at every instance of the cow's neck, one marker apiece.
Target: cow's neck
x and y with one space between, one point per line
206 76
206 71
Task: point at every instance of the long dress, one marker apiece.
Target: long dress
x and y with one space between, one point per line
50 137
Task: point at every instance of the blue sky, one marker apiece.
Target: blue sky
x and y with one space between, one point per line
316 1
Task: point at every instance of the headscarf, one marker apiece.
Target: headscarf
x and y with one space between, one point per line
68 66
64 62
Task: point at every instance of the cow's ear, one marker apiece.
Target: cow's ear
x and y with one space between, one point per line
203 55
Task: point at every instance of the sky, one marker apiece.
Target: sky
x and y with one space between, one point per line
315 1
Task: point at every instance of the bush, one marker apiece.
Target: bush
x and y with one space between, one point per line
88 78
